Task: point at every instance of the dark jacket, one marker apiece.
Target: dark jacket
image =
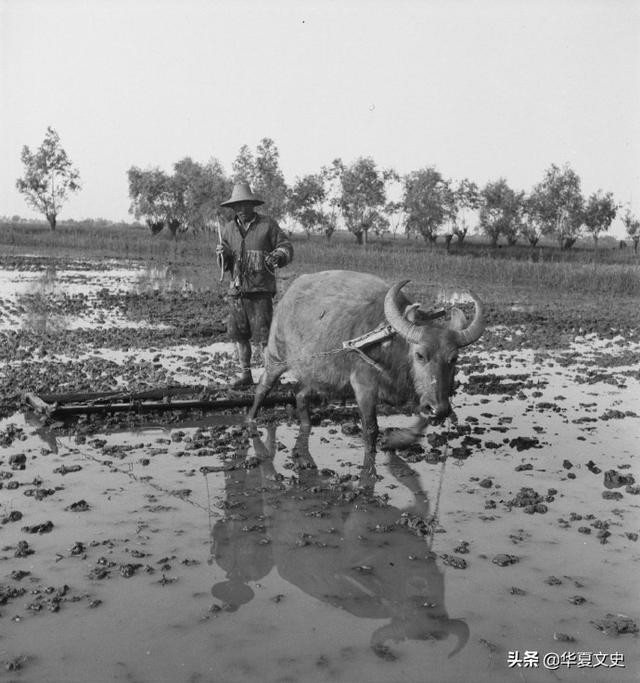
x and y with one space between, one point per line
244 254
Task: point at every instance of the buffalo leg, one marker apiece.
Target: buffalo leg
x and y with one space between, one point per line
302 404
265 452
405 474
266 383
366 393
302 458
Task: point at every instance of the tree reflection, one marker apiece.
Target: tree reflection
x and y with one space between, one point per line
38 306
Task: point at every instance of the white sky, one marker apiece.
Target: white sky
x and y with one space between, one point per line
479 88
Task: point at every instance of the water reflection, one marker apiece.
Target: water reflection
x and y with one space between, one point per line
46 434
344 547
240 545
175 278
37 304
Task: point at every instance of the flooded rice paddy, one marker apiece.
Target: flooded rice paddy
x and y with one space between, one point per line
181 547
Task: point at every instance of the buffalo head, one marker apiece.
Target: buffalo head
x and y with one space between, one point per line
433 347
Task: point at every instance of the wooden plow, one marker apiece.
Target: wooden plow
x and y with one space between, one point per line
213 399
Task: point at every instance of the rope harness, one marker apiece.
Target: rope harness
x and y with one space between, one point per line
434 521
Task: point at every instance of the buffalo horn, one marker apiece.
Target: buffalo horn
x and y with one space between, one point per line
474 330
460 630
400 324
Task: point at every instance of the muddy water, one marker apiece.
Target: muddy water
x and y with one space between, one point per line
203 554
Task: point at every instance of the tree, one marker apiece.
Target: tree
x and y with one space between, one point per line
305 202
466 197
49 177
363 192
151 197
428 202
396 216
199 190
243 166
379 223
262 171
332 181
599 212
632 224
531 225
393 211
269 182
500 211
559 204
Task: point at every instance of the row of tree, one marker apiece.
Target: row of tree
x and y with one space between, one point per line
355 196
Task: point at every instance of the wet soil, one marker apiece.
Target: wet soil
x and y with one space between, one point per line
180 546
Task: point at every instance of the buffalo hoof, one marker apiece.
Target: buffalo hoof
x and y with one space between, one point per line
252 425
400 438
244 379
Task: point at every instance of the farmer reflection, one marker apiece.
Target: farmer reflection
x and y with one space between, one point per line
351 552
239 541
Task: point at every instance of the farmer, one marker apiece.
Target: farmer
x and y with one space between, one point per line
251 247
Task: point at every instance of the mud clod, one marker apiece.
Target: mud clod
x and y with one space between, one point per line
454 561
67 469
524 443
563 637
23 549
531 501
577 600
79 506
616 624
43 528
614 480
13 516
504 560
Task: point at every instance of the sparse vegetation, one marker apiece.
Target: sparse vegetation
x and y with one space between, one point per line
546 270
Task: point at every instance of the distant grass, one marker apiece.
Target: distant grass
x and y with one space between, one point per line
545 270
434 267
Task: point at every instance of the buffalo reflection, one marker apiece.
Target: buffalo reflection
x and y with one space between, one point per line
339 545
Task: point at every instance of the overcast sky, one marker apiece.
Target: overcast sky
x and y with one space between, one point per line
480 89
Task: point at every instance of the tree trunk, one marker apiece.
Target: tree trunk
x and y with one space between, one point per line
635 244
173 226
494 240
533 241
155 226
358 236
365 237
460 237
53 220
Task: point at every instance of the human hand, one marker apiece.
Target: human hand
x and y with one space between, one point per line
272 260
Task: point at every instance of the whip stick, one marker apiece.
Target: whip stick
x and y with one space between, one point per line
220 256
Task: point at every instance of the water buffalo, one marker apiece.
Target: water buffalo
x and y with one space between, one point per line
322 310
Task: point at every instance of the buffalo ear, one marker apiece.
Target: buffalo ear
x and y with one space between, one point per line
458 320
411 313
